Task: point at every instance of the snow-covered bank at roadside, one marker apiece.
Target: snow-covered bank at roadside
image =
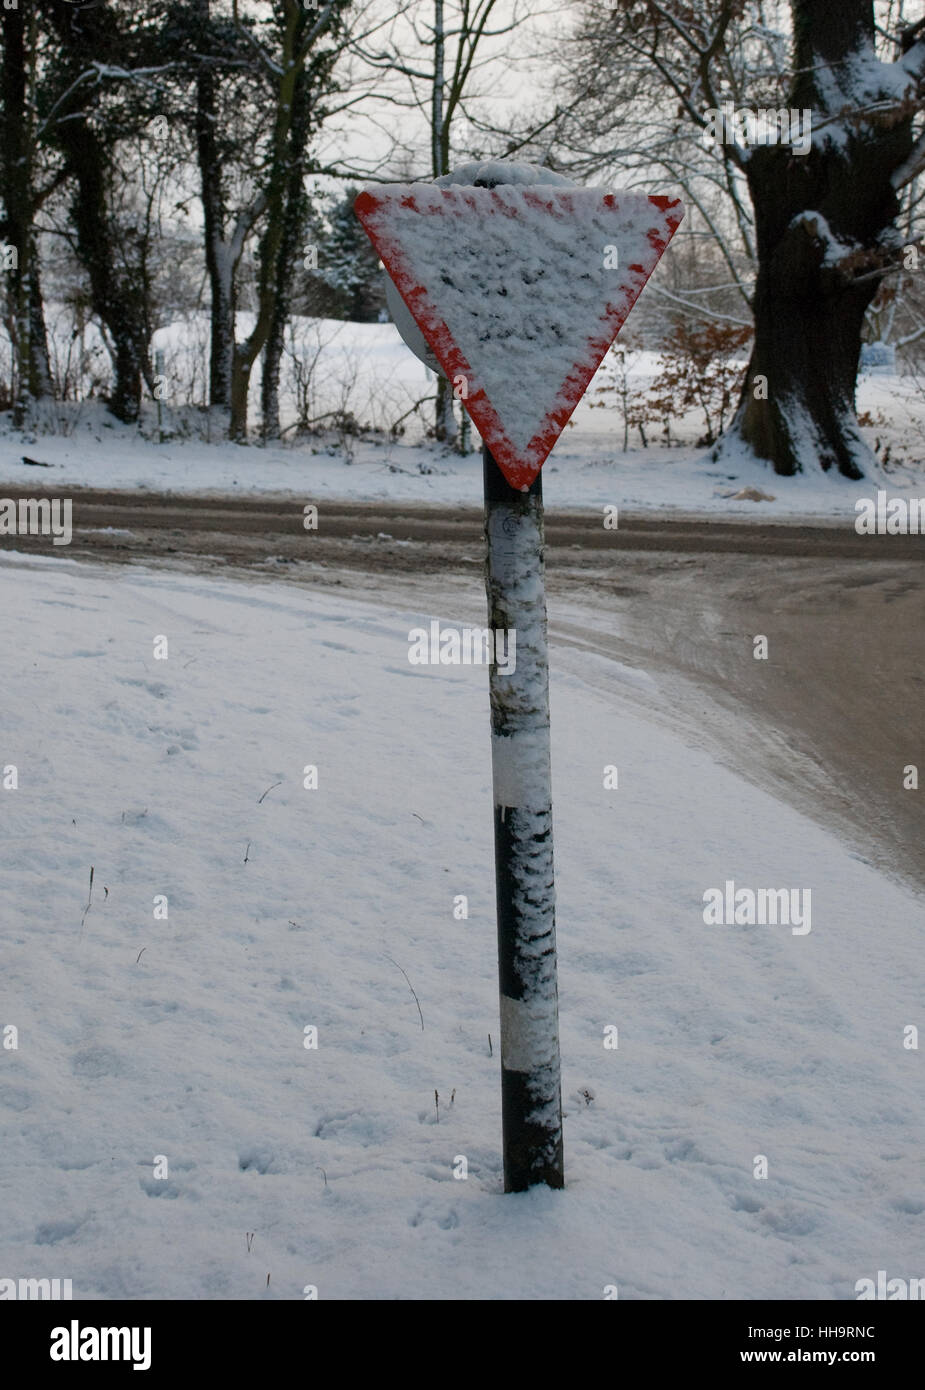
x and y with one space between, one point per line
367 370
583 472
290 907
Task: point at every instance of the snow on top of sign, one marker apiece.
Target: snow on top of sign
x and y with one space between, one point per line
519 276
496 171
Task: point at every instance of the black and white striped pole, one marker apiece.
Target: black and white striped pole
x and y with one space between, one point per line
531 1088
483 264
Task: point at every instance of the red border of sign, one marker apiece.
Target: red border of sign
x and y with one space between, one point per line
519 468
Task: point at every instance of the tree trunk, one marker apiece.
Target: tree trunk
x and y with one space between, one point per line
118 294
446 428
114 299
437 157
291 74
798 404
293 224
217 252
269 380
25 312
240 384
444 415
40 382
822 229
300 71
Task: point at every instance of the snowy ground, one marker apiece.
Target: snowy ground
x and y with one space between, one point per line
141 1037
366 368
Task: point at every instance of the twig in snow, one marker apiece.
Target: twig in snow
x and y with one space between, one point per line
491 1052
411 987
140 954
323 1174
268 790
437 1103
247 851
420 818
89 900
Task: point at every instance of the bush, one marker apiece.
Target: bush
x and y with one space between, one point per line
700 371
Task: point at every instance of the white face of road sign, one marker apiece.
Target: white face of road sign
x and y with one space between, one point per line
488 175
519 290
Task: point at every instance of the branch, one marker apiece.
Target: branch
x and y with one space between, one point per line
244 226
699 309
258 48
911 167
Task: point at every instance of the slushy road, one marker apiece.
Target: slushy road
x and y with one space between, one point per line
829 721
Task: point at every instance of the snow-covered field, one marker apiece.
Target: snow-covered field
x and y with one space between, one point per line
289 907
366 369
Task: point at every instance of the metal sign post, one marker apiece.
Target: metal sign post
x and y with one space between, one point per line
486 306
531 1090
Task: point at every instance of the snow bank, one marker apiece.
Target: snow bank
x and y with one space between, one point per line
587 467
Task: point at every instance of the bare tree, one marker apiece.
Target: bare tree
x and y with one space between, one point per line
432 58
817 223
102 84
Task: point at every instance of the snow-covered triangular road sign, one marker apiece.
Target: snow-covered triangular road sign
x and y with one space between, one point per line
519 291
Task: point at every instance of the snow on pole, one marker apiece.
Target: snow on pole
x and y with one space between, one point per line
531 1090
502 273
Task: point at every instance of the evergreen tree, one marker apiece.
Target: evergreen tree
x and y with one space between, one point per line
348 282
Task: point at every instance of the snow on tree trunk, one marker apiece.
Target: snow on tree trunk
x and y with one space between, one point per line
824 228
733 84
40 382
798 402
